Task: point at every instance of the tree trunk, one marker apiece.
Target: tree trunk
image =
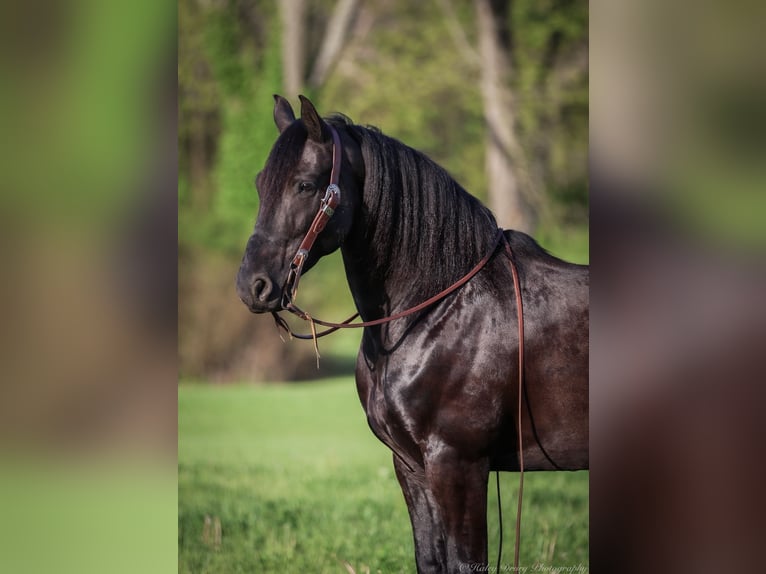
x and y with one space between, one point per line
333 41
293 54
507 176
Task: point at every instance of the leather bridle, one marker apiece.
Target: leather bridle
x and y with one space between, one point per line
327 207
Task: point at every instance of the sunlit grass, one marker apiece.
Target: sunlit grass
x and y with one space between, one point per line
298 483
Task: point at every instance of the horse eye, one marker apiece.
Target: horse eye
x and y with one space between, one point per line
306 186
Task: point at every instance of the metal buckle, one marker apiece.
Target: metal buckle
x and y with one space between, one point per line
290 289
299 259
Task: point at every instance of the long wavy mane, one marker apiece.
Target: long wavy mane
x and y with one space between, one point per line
433 228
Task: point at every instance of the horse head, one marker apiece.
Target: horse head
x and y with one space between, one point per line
290 189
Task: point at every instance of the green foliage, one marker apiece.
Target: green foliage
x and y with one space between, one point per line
298 483
223 38
199 93
248 134
246 71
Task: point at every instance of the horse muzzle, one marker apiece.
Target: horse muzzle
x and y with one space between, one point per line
258 292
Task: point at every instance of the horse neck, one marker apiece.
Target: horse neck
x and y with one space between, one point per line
367 276
394 259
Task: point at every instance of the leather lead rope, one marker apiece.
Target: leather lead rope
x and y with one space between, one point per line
520 316
295 310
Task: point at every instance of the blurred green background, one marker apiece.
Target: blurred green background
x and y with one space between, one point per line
417 70
88 286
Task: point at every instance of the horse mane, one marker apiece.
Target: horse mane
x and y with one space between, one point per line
434 229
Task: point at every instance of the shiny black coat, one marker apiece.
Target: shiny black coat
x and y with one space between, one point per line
439 387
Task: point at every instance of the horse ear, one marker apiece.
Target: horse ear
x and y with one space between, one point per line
316 127
283 113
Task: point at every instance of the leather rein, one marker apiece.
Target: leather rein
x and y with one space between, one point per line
327 207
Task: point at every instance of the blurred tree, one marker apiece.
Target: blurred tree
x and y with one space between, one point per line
293 34
549 52
532 56
334 39
511 193
298 44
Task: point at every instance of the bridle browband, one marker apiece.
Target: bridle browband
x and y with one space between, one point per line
327 207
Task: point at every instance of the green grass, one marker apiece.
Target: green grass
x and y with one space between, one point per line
298 483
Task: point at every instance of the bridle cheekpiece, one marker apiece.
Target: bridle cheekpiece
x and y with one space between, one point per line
327 207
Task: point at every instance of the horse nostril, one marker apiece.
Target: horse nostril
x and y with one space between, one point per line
262 287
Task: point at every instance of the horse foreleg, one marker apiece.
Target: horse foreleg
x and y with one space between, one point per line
429 542
458 487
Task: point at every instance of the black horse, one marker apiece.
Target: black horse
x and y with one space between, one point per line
438 386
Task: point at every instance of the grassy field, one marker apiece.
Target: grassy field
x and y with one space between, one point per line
288 478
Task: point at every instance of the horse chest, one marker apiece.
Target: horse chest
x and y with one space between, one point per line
390 416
